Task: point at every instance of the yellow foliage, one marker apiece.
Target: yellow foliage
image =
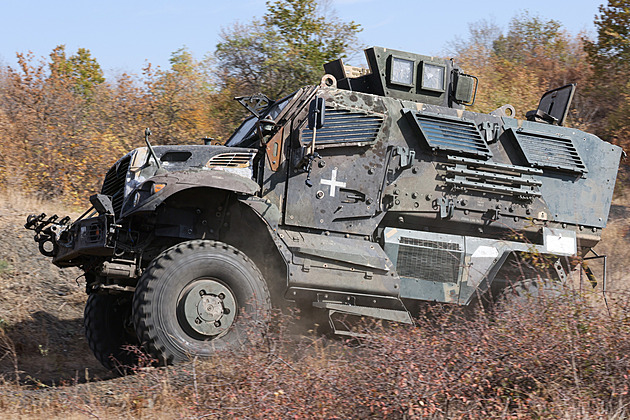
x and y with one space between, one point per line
57 142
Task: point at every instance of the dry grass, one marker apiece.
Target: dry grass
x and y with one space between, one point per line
615 243
558 357
14 202
41 306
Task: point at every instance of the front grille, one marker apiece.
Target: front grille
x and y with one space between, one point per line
231 160
114 184
429 260
343 126
442 133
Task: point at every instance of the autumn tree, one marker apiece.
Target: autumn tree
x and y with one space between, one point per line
181 99
48 142
518 66
42 114
62 124
119 113
476 49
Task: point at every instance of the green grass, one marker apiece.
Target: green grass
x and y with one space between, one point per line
5 267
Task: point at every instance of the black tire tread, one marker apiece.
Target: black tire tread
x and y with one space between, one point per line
99 334
145 327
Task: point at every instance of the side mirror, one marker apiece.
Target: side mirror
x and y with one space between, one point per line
553 107
316 111
465 89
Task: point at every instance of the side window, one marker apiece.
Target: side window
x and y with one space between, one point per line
245 135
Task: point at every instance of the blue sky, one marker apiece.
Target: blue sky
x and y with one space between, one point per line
124 35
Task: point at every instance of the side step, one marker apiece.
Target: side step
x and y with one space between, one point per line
364 311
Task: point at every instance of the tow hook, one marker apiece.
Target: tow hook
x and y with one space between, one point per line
47 231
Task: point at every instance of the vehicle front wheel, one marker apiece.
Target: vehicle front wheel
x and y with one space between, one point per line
199 297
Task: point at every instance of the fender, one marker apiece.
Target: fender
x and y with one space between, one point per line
146 198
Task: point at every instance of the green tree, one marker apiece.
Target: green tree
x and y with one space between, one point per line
181 99
286 49
612 47
86 72
531 38
81 70
609 56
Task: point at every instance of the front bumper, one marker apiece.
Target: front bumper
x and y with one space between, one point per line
70 244
89 237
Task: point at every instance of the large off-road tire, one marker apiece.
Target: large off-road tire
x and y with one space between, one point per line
109 332
197 298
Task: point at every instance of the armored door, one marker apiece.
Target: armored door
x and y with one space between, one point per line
342 190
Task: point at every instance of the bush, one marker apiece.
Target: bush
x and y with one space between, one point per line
556 356
547 358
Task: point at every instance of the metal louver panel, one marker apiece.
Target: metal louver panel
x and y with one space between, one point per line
553 152
343 126
231 160
444 133
114 183
429 260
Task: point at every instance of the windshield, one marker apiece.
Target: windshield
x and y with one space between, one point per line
246 134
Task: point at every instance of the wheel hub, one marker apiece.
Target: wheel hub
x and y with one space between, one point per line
209 307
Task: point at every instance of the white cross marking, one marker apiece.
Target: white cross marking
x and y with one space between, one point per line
333 182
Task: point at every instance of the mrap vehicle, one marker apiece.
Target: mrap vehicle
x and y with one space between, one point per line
363 196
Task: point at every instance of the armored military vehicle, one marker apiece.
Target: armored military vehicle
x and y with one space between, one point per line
362 196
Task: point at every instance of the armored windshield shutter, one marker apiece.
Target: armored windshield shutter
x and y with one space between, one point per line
441 133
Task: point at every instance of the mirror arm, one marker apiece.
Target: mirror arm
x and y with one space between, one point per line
147 133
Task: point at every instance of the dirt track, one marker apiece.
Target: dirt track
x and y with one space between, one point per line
41 308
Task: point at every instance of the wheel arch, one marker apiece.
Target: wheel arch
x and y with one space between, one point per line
522 266
243 221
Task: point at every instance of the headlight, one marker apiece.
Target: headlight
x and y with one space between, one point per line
402 71
433 76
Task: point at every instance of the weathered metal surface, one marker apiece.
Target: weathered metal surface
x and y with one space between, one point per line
338 263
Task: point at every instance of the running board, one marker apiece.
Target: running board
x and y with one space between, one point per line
379 313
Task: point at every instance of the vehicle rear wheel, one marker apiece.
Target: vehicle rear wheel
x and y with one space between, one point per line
107 321
199 297
529 290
